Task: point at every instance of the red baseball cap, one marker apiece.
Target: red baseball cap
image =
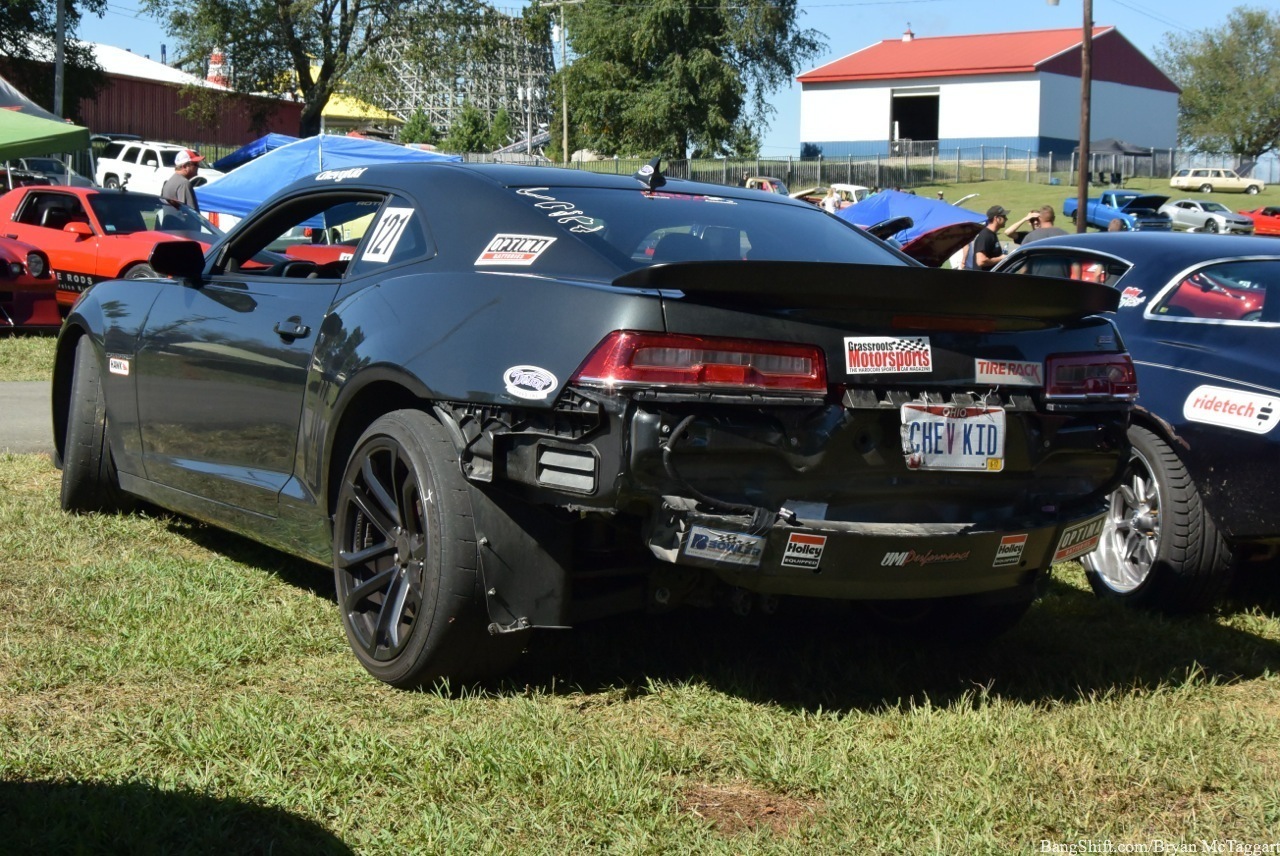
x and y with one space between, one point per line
187 156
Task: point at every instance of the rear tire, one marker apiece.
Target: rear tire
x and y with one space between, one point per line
111 182
1159 549
140 271
406 560
1206 188
89 480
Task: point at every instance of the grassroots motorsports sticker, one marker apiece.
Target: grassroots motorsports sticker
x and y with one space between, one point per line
529 382
1231 408
887 354
1079 539
733 548
517 250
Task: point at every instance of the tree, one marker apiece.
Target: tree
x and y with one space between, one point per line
418 129
501 129
277 45
469 132
28 23
1230 80
666 76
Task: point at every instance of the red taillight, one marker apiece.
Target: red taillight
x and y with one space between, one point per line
1090 377
657 359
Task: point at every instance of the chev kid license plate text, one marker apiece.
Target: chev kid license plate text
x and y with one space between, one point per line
947 437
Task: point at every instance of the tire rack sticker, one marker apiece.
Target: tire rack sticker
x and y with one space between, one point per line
1079 539
887 354
1231 408
517 250
386 234
1007 372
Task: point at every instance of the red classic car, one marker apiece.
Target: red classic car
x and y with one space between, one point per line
91 234
26 287
1266 221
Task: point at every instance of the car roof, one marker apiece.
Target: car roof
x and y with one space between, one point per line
1168 251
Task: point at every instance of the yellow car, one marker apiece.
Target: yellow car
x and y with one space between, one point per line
1208 180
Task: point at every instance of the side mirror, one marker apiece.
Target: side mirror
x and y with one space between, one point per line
178 259
80 230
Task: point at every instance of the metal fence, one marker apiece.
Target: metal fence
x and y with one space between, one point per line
930 166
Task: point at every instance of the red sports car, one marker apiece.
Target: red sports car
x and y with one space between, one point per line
26 287
1266 221
90 234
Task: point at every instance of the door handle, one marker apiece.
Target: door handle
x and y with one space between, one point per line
291 328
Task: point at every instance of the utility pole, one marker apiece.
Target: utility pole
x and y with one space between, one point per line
60 36
1086 81
564 79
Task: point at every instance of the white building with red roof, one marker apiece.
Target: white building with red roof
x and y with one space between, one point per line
1020 90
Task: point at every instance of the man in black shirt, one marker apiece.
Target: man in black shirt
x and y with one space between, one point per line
986 251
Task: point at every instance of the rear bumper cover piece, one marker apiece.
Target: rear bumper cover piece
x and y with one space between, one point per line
836 559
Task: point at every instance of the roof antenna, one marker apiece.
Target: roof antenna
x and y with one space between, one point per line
649 176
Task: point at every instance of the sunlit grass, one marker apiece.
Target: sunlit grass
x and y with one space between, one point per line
25 357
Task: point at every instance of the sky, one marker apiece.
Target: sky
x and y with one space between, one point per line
848 26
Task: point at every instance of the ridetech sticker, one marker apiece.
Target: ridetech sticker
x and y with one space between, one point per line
803 551
1008 372
733 548
1231 408
887 354
1010 550
518 250
1079 539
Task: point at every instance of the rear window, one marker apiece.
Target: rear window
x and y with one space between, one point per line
112 150
1071 264
636 228
123 214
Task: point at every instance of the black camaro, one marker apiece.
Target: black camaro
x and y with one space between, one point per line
499 398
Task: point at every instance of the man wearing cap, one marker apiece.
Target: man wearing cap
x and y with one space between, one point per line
178 186
986 251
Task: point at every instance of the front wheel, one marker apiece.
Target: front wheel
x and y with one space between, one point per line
1211 225
111 182
406 559
1159 549
1252 190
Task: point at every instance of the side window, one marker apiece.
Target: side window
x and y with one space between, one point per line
112 150
130 154
1247 291
396 234
150 158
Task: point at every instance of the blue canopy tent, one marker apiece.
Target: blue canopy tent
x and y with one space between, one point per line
248 152
240 191
938 228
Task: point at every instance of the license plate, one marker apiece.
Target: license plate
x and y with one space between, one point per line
947 437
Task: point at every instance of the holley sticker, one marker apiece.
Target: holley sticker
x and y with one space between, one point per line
803 551
1231 408
733 548
1080 539
1010 550
529 382
1008 372
516 250
887 354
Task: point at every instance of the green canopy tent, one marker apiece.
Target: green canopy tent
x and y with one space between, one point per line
24 136
29 136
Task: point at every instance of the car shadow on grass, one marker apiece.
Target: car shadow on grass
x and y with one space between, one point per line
78 817
1070 647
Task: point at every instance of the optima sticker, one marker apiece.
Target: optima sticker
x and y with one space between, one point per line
1010 550
1079 539
733 548
1231 408
803 551
118 365
1008 372
887 354
529 382
517 250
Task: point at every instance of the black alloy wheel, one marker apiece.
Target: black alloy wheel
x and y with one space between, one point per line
1211 225
405 558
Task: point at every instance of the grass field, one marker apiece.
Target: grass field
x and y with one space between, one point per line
26 357
165 687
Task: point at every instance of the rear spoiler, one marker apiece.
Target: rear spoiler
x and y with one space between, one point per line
886 288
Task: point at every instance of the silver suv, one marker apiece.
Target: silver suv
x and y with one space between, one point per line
142 165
